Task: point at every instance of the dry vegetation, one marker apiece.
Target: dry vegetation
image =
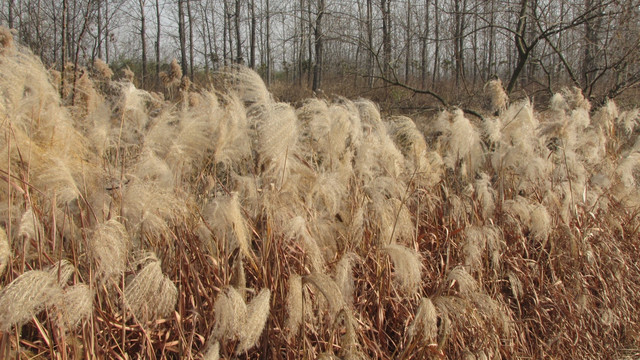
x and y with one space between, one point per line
223 224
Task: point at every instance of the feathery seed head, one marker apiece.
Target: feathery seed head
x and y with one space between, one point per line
425 324
103 70
6 41
225 218
297 229
540 223
151 294
109 248
257 314
26 296
294 305
5 250
128 75
407 267
486 195
230 312
213 352
329 290
466 283
498 98
344 276
76 305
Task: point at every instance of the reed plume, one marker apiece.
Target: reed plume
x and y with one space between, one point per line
5 251
26 296
109 247
150 295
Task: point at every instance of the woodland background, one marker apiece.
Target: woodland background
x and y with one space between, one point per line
446 49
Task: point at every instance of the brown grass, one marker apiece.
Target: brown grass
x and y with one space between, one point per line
234 226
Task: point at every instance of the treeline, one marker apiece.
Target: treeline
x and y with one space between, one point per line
537 45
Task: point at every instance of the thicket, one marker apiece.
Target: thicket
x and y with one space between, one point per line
220 223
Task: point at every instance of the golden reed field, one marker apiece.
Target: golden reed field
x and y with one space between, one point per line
219 223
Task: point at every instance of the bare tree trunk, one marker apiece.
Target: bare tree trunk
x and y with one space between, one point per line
183 40
407 60
158 41
236 20
225 31
458 42
386 35
252 39
310 43
63 48
106 31
436 55
370 42
10 15
143 41
492 41
301 48
592 27
317 69
268 36
99 36
190 19
424 51
205 37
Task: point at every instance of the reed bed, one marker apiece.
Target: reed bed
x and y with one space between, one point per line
221 223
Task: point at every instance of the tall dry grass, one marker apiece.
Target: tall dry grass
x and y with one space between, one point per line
221 223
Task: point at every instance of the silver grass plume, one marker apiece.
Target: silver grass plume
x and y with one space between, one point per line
575 99
57 177
627 122
6 41
26 296
425 324
171 79
225 218
464 144
411 143
109 248
151 168
498 98
232 137
407 267
103 70
230 312
344 276
257 314
294 305
540 223
486 195
466 283
627 168
250 87
277 127
605 117
477 241
329 290
213 352
150 295
473 248
5 250
297 230
76 305
128 74
516 285
29 229
62 271
150 209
